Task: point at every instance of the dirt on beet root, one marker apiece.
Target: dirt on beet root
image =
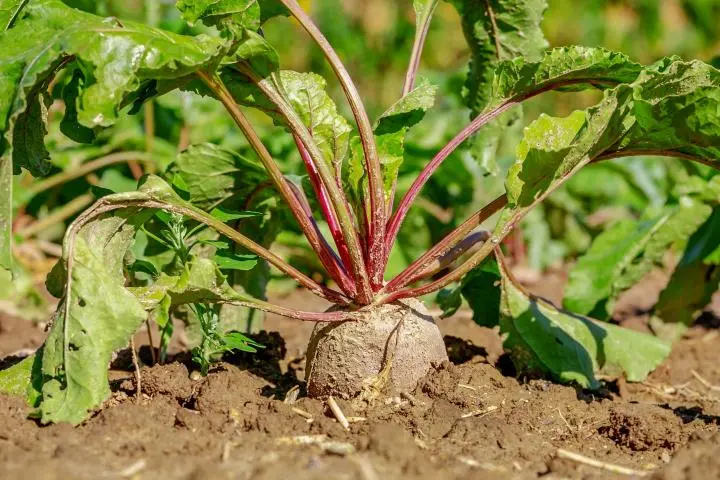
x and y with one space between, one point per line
468 418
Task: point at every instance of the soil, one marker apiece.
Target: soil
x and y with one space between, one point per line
469 418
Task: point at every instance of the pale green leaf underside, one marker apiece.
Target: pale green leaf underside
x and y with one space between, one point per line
544 339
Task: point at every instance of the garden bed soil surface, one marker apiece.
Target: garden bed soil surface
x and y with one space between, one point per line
469 418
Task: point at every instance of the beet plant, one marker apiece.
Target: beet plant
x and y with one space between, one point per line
378 333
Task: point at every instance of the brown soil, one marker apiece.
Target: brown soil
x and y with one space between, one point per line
468 419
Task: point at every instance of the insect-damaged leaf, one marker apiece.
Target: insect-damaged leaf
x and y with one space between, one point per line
543 339
96 316
98 313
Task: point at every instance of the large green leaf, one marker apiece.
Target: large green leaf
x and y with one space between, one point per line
675 110
553 149
543 339
621 255
115 59
562 68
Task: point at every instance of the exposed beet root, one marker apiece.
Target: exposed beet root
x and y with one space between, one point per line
341 356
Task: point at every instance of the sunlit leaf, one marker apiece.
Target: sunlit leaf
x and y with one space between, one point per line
543 339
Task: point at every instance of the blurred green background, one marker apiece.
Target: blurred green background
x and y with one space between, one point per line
374 38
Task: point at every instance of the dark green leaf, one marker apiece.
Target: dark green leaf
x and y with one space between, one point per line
704 244
481 288
498 30
449 300
28 141
229 260
69 124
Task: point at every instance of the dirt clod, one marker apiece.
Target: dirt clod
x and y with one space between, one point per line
641 427
466 419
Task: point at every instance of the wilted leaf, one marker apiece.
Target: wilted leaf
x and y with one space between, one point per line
96 316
